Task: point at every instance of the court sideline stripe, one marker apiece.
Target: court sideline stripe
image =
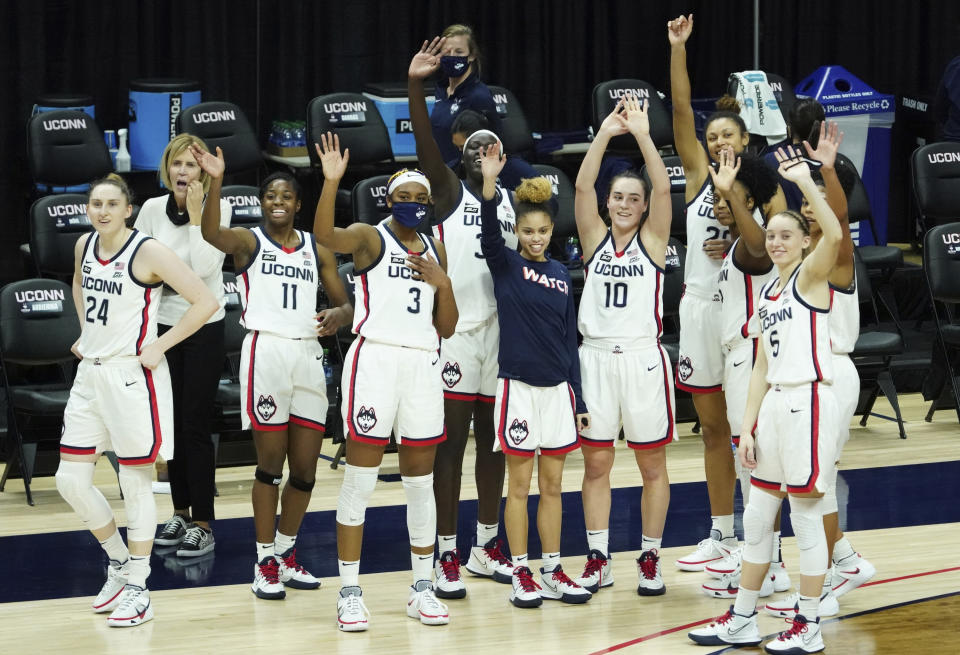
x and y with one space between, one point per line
678 628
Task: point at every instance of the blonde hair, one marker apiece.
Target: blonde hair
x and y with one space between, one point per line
116 181
174 149
459 29
533 195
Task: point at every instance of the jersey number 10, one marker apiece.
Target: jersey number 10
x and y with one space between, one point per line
616 294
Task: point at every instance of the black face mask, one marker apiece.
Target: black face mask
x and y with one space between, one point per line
454 65
173 212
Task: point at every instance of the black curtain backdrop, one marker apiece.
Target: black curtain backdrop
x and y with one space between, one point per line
272 57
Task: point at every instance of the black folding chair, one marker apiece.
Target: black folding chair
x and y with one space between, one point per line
605 97
941 264
224 125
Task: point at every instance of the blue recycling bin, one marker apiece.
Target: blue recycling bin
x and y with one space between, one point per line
866 119
154 107
391 101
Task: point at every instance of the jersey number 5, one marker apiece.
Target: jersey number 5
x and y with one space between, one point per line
774 343
94 315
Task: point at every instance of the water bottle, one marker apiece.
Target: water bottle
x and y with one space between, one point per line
574 256
327 366
123 155
110 137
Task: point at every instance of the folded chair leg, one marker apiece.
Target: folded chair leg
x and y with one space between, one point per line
874 392
885 382
28 454
341 452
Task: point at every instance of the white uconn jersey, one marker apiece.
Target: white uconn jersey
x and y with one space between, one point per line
795 336
700 272
844 319
279 288
391 306
622 295
460 233
119 311
739 292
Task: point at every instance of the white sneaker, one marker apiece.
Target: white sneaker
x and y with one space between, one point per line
352 613
709 550
291 574
727 565
423 605
851 573
778 574
788 606
448 583
728 585
731 628
802 637
597 572
134 608
557 585
525 591
266 579
488 561
648 570
109 596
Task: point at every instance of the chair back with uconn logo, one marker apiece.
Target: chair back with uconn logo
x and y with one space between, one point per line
223 125
514 129
606 95
355 119
936 182
941 264
245 204
66 148
56 222
369 200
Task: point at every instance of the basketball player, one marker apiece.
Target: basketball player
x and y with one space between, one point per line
389 380
284 399
468 359
121 398
741 184
792 405
539 402
851 570
700 369
627 381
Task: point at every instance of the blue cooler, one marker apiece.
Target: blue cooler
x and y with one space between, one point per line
391 101
57 101
865 117
154 107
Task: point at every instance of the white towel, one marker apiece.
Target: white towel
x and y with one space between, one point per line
759 107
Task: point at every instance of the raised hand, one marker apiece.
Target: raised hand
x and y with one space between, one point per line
679 29
210 164
635 113
333 163
726 173
492 161
793 167
614 124
194 202
427 60
829 144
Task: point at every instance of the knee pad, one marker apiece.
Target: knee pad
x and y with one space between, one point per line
421 509
758 520
273 479
358 485
302 485
806 515
829 500
137 485
75 484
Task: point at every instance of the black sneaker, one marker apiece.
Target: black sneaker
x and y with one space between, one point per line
197 541
172 532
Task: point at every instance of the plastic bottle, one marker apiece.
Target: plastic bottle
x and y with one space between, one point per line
574 255
327 366
123 155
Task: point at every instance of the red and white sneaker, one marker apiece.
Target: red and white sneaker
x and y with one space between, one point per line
788 606
802 637
109 596
596 573
352 613
727 565
708 551
731 628
850 573
728 585
648 571
266 579
525 591
488 561
424 606
133 609
779 576
447 570
557 585
292 574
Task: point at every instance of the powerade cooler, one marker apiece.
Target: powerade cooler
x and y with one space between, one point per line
391 101
865 117
55 102
154 107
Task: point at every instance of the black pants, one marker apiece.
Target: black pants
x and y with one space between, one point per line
196 364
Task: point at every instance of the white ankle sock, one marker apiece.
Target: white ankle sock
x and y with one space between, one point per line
486 533
550 561
282 543
746 603
809 608
520 560
349 573
446 543
723 525
138 569
115 549
842 550
649 543
775 556
422 566
264 550
599 540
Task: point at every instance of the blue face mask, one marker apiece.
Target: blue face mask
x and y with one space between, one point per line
454 66
409 214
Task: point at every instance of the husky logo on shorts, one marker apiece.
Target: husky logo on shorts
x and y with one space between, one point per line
685 368
451 374
366 418
518 431
266 408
